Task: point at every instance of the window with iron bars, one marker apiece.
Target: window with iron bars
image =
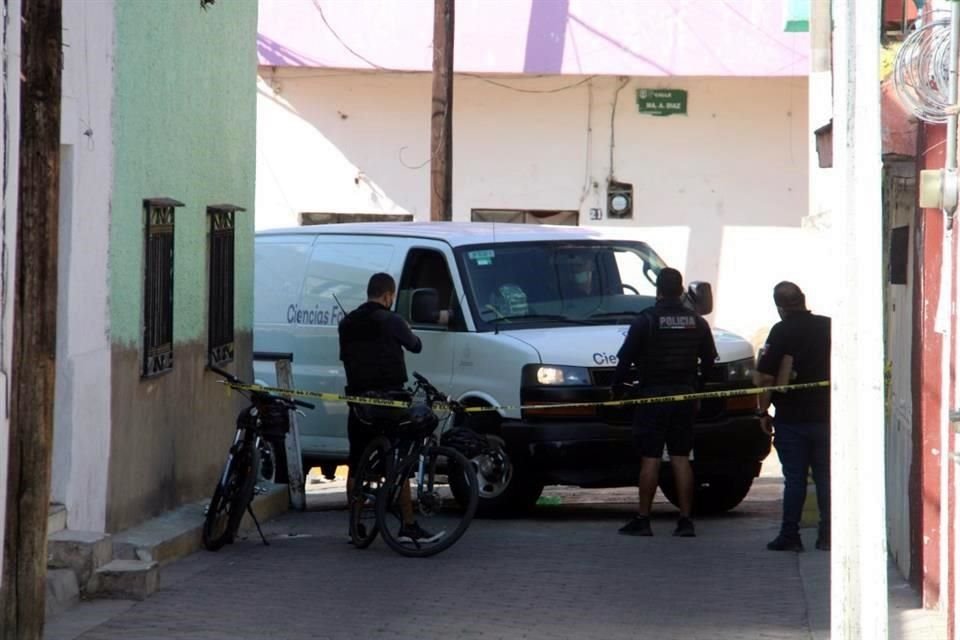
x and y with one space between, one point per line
220 339
158 286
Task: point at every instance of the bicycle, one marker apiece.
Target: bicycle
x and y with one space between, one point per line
411 447
267 418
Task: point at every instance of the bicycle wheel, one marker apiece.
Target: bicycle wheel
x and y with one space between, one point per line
433 519
231 497
367 481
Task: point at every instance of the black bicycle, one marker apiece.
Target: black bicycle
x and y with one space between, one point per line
263 423
413 489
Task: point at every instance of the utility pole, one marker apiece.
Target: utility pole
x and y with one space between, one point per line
441 117
34 325
858 564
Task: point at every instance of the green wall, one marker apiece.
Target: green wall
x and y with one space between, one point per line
185 128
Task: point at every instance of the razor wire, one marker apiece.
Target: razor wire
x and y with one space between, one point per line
921 71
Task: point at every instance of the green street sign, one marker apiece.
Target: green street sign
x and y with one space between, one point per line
662 102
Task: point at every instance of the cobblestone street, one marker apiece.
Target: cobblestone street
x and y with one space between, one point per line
563 572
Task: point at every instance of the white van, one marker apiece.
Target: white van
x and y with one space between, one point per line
542 312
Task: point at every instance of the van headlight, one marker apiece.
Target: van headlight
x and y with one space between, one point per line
553 375
738 370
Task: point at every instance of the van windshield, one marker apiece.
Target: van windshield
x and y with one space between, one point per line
544 283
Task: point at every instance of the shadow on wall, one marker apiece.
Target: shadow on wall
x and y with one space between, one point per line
365 147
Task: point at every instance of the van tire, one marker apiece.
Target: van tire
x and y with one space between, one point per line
518 498
711 496
521 494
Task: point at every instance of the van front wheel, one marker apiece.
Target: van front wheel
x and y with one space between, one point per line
517 496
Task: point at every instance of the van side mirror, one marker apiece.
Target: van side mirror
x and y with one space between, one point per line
700 295
424 306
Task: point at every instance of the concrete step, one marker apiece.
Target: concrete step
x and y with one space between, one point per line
83 552
63 591
177 533
56 518
126 579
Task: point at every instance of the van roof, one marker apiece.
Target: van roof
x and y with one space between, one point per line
453 233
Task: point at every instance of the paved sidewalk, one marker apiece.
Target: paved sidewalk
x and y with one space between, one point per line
563 573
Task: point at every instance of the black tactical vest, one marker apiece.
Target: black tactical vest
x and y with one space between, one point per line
673 345
372 358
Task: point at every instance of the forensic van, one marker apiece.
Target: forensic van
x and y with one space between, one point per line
539 315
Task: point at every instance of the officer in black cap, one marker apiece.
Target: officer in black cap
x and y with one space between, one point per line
668 344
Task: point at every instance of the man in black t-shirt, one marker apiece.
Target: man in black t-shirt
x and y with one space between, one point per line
798 351
372 342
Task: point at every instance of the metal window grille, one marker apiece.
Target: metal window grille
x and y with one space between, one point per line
158 286
307 218
520 216
220 338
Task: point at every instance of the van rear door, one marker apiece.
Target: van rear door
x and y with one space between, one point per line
280 262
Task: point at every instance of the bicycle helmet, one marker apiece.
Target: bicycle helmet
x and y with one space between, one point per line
420 419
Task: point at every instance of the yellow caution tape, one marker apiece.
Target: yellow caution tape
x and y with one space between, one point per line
399 404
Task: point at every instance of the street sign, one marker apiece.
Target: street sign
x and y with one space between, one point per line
662 102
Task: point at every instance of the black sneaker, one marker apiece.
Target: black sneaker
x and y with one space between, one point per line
639 526
685 528
415 533
785 543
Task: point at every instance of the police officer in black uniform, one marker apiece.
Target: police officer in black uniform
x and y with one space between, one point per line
372 340
665 344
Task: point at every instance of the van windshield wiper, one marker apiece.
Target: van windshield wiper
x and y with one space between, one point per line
537 316
613 314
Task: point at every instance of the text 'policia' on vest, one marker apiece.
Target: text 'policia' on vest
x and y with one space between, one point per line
673 345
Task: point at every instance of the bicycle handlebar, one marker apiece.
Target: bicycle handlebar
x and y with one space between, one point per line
288 401
434 394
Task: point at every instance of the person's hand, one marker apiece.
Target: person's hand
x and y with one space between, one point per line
766 423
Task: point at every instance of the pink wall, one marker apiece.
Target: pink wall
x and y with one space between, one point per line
575 37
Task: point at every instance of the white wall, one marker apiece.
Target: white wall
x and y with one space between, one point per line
82 408
728 182
10 141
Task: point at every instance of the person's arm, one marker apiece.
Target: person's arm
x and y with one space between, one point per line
769 367
631 347
402 333
708 348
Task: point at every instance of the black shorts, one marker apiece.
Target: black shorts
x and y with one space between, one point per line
660 423
360 434
365 422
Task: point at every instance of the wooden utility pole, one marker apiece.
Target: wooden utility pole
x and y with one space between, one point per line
34 325
441 118
858 561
